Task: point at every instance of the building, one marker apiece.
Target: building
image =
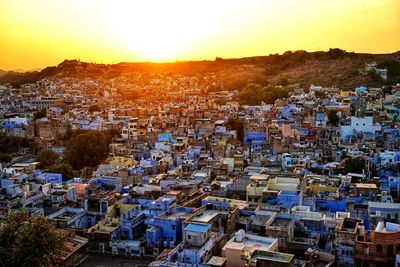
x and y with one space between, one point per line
166 229
356 125
242 245
383 211
378 247
261 258
345 241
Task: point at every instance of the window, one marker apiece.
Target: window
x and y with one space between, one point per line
390 250
379 249
173 226
189 237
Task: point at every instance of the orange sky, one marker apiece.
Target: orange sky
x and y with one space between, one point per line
40 33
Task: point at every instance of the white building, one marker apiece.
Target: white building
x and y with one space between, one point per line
388 157
18 121
358 125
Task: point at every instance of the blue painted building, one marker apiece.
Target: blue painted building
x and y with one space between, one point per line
166 229
361 89
288 198
165 137
75 181
155 207
334 205
253 137
53 178
107 183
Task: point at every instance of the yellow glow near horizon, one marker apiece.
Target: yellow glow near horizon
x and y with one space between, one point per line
35 34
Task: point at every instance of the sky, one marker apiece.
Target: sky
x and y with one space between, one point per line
39 33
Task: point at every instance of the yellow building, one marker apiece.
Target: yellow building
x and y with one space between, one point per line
254 191
122 162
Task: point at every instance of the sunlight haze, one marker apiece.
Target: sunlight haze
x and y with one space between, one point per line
36 34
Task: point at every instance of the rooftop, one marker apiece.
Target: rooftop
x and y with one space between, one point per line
216 261
282 222
194 227
243 240
365 186
271 256
206 215
383 205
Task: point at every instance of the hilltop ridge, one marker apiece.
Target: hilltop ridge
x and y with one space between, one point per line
333 67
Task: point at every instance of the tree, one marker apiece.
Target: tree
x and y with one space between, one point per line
11 144
39 114
387 90
376 78
320 94
27 241
86 149
47 157
354 165
393 70
110 134
64 168
238 125
254 94
94 108
283 81
333 118
5 157
336 53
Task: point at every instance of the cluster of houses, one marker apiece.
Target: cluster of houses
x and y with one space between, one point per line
201 180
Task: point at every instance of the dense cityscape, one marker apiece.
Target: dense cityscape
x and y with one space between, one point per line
163 168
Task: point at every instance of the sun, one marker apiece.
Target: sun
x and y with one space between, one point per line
158 49
157 43
157 32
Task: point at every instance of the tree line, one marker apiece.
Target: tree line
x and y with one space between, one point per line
83 149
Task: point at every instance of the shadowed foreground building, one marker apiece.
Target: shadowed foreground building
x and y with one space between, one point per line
378 247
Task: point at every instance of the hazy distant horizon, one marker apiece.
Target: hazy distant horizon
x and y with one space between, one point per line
178 60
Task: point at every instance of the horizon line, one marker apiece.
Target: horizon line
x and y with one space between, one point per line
100 62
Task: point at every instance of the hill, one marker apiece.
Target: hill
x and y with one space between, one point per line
333 67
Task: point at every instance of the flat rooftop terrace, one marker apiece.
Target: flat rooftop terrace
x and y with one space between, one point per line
174 215
254 241
207 215
282 222
261 220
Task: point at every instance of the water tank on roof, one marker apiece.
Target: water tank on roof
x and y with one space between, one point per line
240 235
